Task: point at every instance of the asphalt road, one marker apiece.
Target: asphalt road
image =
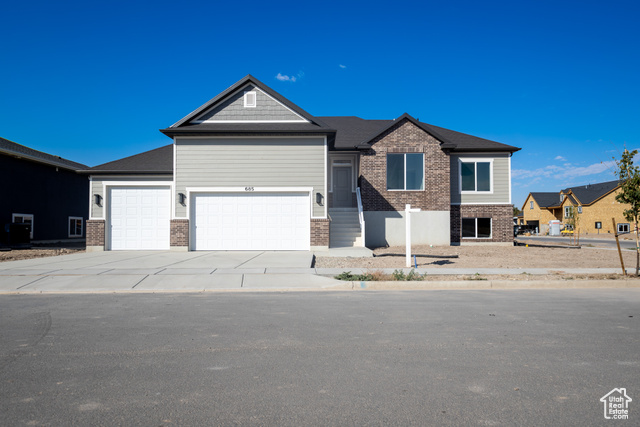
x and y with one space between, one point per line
526 357
565 240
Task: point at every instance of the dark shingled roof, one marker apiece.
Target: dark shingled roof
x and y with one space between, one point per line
587 194
14 149
159 161
546 200
352 132
247 128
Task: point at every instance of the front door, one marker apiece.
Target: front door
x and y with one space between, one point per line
342 187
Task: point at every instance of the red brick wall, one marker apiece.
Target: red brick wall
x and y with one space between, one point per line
319 232
501 223
95 232
405 137
179 232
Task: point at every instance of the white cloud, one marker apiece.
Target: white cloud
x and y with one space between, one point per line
562 159
567 170
291 78
285 78
342 66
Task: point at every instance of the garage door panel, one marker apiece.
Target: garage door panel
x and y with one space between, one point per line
254 221
139 218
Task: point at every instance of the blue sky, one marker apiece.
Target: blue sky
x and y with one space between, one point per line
94 81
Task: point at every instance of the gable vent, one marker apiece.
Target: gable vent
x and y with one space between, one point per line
250 99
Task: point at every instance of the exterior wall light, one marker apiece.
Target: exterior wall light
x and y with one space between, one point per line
97 199
183 199
319 199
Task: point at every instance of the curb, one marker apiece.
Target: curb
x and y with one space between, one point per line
488 284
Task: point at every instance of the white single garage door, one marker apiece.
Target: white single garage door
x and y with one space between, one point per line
251 221
139 218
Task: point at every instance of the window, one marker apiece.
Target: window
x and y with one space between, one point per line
75 226
579 209
567 211
250 99
623 228
531 204
405 171
23 219
475 175
476 228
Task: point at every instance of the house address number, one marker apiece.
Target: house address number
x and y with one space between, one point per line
248 189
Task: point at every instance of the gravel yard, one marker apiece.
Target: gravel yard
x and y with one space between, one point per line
18 254
487 257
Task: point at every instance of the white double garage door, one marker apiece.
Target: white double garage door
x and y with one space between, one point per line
140 219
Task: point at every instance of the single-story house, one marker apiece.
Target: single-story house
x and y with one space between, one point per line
250 170
44 191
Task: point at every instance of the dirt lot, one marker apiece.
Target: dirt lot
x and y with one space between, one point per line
557 259
19 254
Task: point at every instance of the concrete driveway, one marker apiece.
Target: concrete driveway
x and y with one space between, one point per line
116 271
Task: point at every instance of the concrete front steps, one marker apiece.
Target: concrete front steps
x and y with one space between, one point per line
344 231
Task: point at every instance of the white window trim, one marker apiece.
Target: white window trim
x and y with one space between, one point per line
81 226
247 95
405 173
567 211
476 228
628 226
531 204
13 219
475 160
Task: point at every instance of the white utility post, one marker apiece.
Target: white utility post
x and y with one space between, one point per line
407 211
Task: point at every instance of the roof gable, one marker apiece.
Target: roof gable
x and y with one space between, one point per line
266 109
234 90
589 194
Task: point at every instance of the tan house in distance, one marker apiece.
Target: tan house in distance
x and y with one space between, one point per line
540 208
596 205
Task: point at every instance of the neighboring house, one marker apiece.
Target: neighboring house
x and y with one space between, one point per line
596 205
539 209
250 170
44 191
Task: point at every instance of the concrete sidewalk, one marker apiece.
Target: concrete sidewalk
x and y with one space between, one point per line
108 272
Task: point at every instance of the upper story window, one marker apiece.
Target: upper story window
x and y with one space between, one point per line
568 211
531 204
405 171
250 99
476 175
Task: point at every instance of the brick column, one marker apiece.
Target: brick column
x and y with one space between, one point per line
179 234
95 234
319 232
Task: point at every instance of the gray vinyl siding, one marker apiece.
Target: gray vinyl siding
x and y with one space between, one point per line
501 182
266 109
97 187
251 162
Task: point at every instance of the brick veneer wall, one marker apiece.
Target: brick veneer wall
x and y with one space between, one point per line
179 232
405 137
501 223
95 232
319 232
